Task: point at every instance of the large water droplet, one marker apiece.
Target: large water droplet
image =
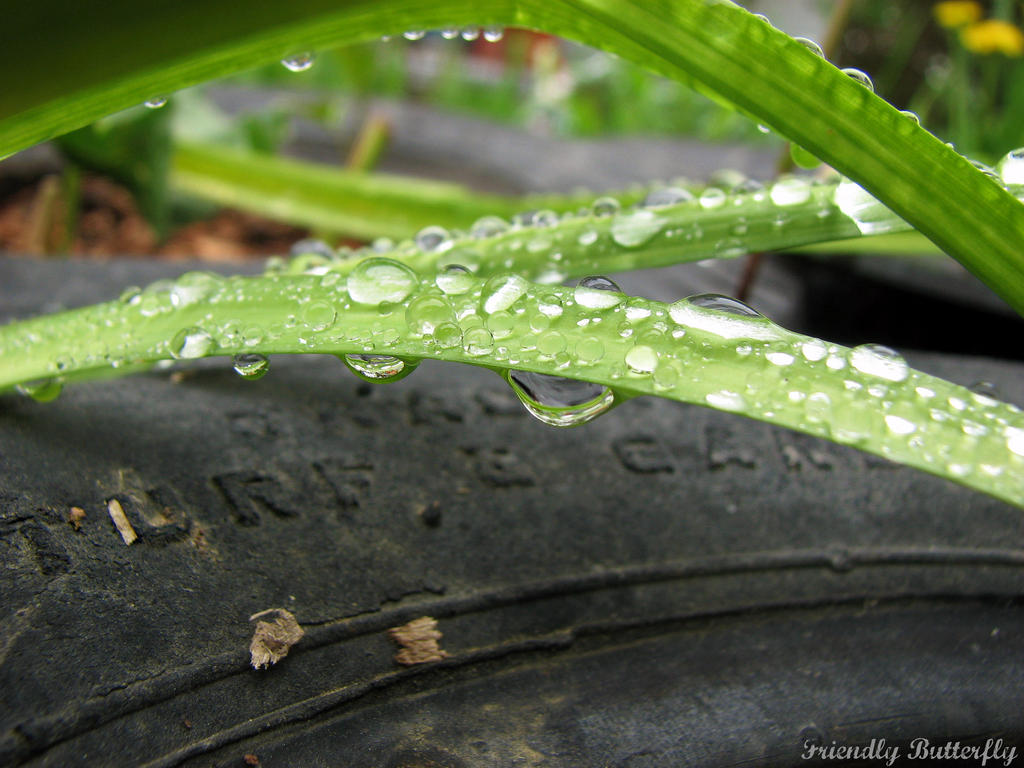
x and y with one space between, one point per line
1011 167
493 34
156 102
712 197
192 287
300 62
375 281
810 45
378 368
433 239
559 401
190 343
664 196
455 280
876 360
501 292
790 190
720 303
867 213
42 391
450 33
469 34
860 76
251 366
634 228
642 359
598 292
414 34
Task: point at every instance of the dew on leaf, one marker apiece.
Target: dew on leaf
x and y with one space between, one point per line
190 343
880 361
300 62
559 401
251 366
378 368
378 280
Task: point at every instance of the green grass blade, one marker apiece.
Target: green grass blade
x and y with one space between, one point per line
632 346
71 63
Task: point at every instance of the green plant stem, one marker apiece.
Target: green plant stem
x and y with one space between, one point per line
683 352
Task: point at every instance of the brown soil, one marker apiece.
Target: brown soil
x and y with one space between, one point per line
34 220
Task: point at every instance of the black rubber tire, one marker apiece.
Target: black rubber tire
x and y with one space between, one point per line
665 586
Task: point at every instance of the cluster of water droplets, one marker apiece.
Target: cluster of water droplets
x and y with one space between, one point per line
492 34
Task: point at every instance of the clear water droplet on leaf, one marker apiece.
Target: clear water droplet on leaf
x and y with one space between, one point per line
251 366
559 401
377 280
299 62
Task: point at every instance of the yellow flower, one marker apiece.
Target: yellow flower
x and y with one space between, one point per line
957 13
993 36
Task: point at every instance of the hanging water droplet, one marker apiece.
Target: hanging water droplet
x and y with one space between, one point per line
455 280
802 158
559 401
605 206
860 76
598 292
190 343
488 226
251 366
433 239
379 368
493 34
377 280
311 246
712 197
156 102
880 361
1011 167
665 196
300 62
469 34
635 228
450 33
501 292
790 190
763 129
414 34
811 46
42 391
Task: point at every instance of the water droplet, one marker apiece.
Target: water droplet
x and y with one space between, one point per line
318 315
867 213
455 280
190 343
802 157
790 190
763 129
810 45
780 359
414 34
605 206
876 360
251 366
814 350
433 239
501 292
488 226
1015 440
860 76
720 303
665 196
311 246
665 375
156 102
818 407
899 425
42 391
598 292
985 392
642 359
469 34
726 400
543 218
559 401
912 116
634 228
589 350
477 342
450 33
1011 167
712 197
448 335
493 34
377 280
378 368
300 62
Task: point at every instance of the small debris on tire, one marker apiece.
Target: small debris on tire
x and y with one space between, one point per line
418 641
273 639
